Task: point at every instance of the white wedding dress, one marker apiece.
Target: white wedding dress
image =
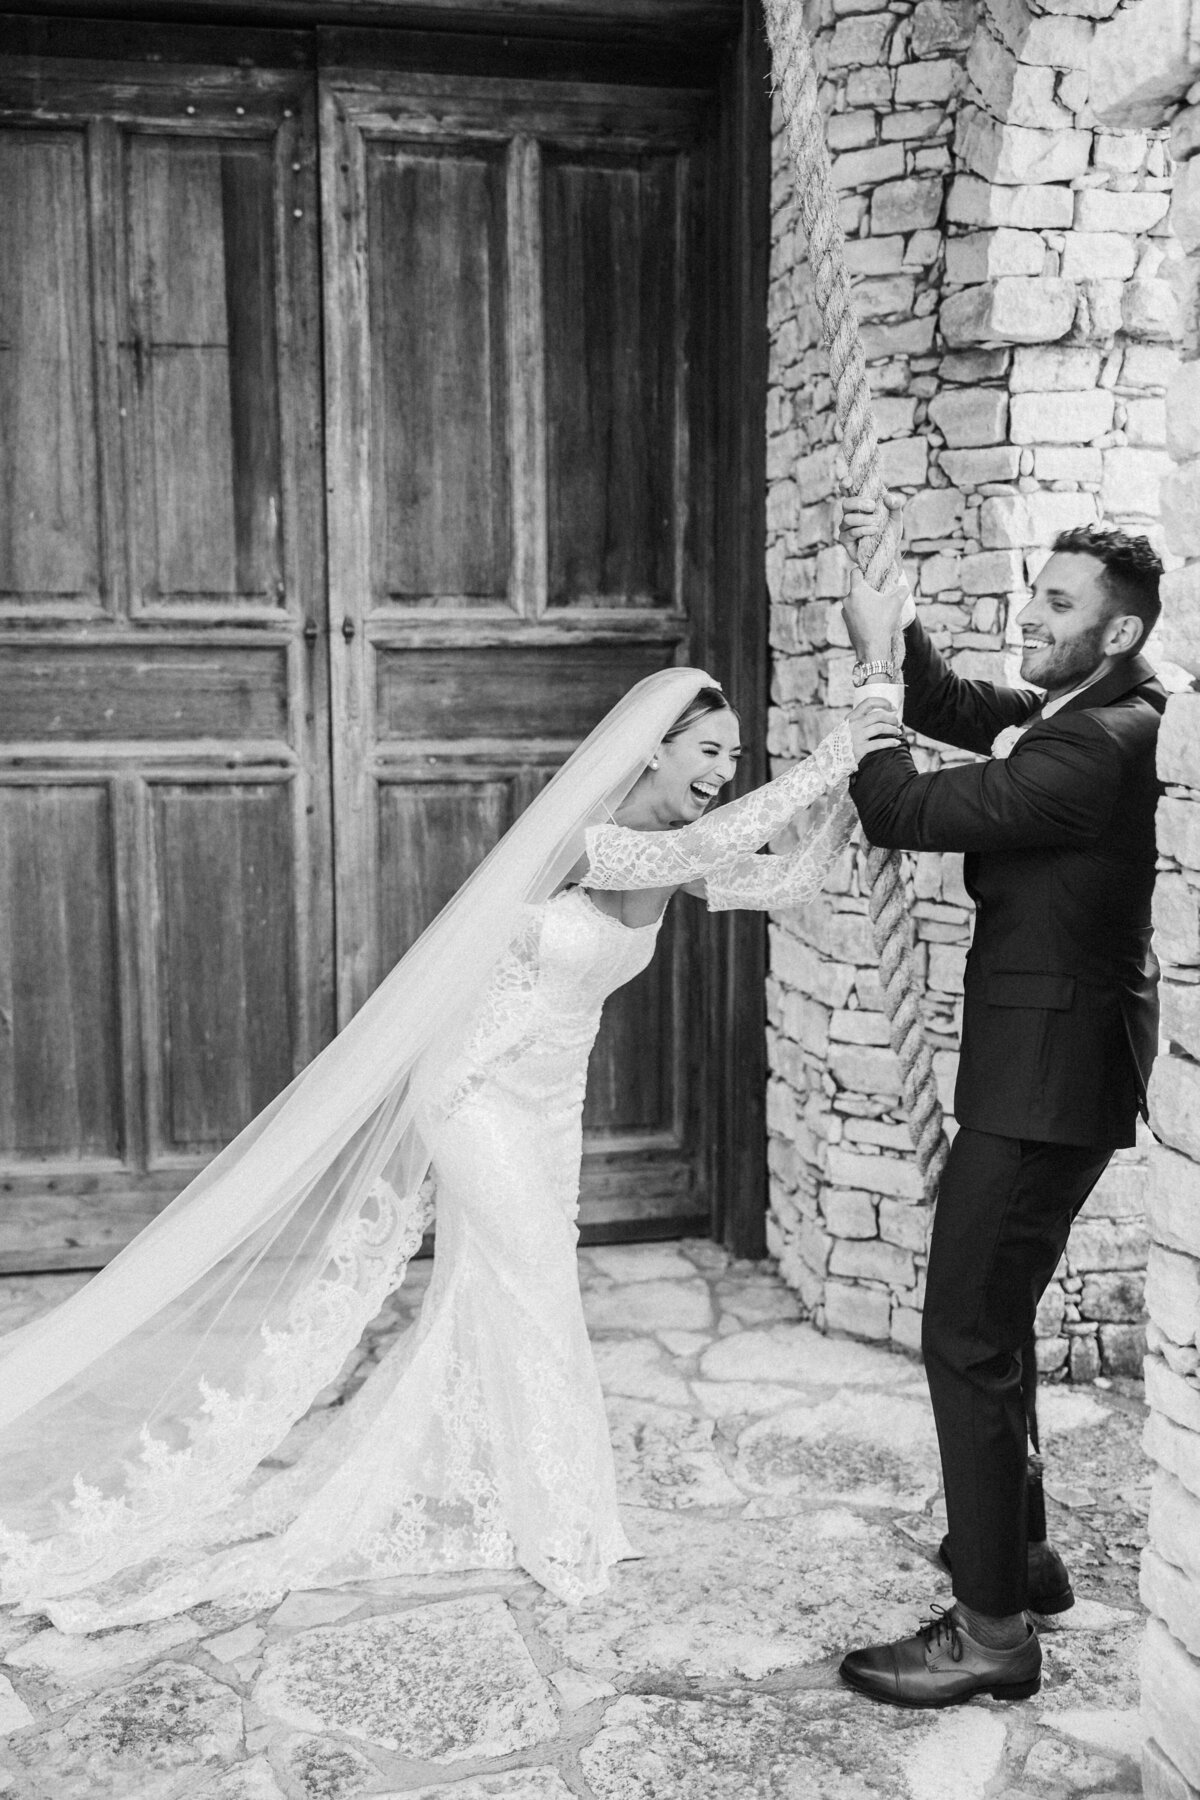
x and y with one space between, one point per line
480 1439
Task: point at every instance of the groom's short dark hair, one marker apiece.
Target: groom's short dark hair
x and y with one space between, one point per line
1132 568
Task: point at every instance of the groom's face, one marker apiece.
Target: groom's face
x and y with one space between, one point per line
1065 622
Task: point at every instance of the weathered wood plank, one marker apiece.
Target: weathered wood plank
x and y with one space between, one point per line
684 52
76 37
59 1045
107 326
445 109
557 691
144 93
633 1067
142 691
436 225
74 1217
345 271
431 836
224 977
527 378
49 495
556 53
612 367
448 628
596 20
297 301
202 362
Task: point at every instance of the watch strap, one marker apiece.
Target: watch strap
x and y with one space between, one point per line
885 666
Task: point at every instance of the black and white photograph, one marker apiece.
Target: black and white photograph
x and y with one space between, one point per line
600 899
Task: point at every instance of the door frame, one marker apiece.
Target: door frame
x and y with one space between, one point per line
737 1058
664 42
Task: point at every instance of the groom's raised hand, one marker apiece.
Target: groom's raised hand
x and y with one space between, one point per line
872 618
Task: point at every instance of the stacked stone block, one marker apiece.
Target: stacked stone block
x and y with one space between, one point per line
1019 288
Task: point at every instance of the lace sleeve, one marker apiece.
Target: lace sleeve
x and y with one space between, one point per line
621 858
756 883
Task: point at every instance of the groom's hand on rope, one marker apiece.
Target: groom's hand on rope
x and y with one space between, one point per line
872 618
858 519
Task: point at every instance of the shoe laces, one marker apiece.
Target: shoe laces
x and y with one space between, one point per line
942 1625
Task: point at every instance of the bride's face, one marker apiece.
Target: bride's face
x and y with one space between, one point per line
695 766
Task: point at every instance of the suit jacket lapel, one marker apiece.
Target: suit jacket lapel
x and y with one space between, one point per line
1137 672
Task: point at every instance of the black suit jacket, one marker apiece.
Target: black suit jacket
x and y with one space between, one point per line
1060 1022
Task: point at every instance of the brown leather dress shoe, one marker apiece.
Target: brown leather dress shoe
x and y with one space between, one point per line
943 1666
1050 1589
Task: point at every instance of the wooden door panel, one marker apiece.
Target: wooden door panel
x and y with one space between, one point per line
614 331
49 494
225 1021
512 401
432 831
125 692
505 691
200 368
436 227
59 1017
431 836
633 1073
170 707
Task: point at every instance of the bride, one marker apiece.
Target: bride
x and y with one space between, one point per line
138 1420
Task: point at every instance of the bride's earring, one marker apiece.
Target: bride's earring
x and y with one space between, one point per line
654 762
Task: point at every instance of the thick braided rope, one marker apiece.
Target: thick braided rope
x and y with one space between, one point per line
796 81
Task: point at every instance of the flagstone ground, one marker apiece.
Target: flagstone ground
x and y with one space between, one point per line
783 1490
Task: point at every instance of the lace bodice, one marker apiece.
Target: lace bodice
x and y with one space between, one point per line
621 858
537 1022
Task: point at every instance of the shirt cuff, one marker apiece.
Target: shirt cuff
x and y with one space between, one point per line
891 691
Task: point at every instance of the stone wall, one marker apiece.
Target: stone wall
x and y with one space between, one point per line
1018 286
1145 64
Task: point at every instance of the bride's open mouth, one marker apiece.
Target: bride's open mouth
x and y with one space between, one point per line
704 791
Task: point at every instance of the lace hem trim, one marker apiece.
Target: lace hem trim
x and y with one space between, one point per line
170 1495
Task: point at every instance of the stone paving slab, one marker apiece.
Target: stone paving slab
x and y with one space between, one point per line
714 1604
781 1489
517 1784
143 1738
809 1747
403 1682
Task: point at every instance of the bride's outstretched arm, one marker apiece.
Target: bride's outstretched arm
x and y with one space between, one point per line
620 858
756 883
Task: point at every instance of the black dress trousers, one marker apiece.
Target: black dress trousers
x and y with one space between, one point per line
1004 1212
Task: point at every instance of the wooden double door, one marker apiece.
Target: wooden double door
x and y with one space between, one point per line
362 443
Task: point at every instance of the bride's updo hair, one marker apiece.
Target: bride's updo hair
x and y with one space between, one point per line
707 700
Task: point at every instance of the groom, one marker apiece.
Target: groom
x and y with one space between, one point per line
1059 1032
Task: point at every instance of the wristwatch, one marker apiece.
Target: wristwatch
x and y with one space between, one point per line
862 672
